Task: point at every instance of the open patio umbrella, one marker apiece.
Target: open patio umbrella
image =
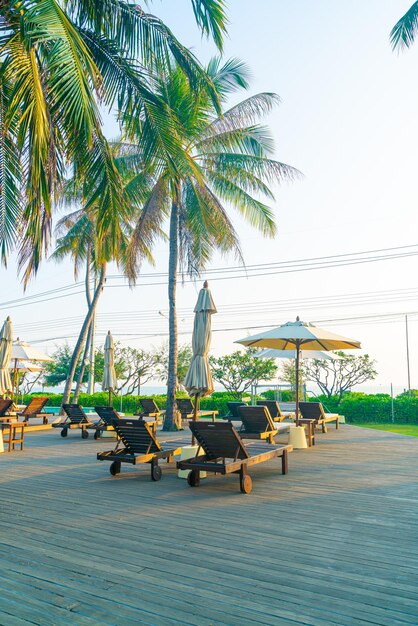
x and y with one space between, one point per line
271 353
6 338
198 380
109 373
297 336
22 352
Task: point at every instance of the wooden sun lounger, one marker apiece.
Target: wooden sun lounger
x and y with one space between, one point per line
151 409
76 418
140 445
258 424
107 415
233 408
186 409
5 404
34 409
274 409
224 453
315 411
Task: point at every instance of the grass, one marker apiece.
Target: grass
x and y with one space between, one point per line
402 429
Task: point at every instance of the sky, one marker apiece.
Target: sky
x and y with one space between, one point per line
348 121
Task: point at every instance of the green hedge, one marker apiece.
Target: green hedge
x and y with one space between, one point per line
356 407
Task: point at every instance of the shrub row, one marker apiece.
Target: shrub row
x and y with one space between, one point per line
356 407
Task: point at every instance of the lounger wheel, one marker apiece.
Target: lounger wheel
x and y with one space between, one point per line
97 434
64 432
194 478
245 484
156 472
84 433
115 468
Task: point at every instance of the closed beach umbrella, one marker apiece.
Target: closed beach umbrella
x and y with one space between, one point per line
109 373
299 336
6 338
198 380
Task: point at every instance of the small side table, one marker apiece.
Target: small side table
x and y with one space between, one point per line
310 430
13 435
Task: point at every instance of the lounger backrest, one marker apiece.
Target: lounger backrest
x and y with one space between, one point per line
149 405
311 410
219 440
35 405
75 413
5 404
185 406
107 414
273 407
256 419
233 408
136 435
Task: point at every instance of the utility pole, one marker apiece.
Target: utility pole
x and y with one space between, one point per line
407 355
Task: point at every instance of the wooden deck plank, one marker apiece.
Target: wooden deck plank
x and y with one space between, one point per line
332 543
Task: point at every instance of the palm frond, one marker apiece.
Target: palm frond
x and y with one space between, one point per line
405 30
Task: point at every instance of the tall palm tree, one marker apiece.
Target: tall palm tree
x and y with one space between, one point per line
60 61
404 32
227 162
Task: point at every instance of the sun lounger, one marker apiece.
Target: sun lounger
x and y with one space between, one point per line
258 424
34 409
5 404
151 409
233 408
138 444
107 415
315 411
223 452
274 409
76 418
186 409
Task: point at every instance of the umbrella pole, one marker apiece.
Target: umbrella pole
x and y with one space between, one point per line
110 397
297 382
195 414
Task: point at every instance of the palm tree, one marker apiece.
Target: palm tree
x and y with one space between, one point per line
404 32
227 160
59 62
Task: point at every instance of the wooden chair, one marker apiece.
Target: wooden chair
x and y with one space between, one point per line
233 408
274 409
76 418
258 424
315 411
222 451
186 410
140 445
13 435
107 415
34 409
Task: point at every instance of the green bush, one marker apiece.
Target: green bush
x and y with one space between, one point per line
285 395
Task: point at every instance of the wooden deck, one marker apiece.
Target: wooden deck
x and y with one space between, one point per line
335 542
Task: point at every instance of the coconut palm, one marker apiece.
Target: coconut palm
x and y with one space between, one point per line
59 62
404 32
228 163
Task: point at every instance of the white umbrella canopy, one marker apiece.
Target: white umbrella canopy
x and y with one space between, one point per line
109 372
6 338
25 367
299 336
198 380
23 351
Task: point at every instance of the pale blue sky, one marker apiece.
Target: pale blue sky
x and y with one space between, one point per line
349 121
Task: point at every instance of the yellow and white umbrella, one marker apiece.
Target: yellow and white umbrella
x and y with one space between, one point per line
198 380
6 338
299 336
23 352
109 372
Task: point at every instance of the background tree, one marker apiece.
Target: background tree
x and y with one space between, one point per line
334 378
238 371
184 356
139 367
287 373
226 162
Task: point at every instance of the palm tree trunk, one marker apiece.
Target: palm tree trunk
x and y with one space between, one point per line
171 406
82 336
86 347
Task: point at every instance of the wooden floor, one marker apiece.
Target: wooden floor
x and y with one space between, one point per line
335 542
